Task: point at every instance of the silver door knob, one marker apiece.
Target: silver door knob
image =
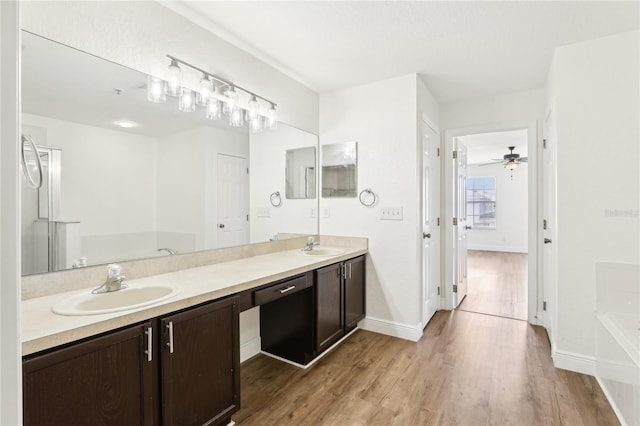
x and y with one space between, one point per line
221 225
547 240
467 227
425 235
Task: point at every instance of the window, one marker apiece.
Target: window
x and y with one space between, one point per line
481 202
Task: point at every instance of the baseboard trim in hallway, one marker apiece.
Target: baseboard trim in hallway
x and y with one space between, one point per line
578 363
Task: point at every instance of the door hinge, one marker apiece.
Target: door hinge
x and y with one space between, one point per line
247 170
438 222
544 306
455 288
455 221
438 152
544 224
544 144
247 218
438 290
455 154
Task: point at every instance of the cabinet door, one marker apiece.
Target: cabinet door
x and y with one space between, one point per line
354 292
329 313
103 381
200 362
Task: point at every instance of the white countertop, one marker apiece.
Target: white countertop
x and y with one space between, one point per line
42 329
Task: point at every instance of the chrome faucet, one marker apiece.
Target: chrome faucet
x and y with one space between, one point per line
114 280
168 250
310 243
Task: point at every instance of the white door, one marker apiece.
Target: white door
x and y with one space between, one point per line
430 226
549 223
233 201
460 222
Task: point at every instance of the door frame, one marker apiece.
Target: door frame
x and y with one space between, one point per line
534 302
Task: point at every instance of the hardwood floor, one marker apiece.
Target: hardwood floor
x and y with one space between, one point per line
497 284
467 369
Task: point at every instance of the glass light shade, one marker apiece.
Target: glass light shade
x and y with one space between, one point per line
253 108
156 90
231 100
511 165
236 117
205 92
187 102
255 124
174 85
271 120
214 109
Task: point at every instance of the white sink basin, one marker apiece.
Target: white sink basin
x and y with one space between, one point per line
323 251
120 300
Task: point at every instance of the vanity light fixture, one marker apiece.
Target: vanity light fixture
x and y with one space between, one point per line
174 84
217 95
187 101
156 90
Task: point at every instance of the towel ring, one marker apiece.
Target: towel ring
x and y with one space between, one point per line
275 199
30 181
369 193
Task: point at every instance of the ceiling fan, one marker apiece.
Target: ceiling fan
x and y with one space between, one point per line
510 160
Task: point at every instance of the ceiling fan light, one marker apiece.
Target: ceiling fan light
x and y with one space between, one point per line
511 165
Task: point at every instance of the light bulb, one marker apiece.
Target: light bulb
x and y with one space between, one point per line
271 121
156 90
511 165
235 117
252 108
214 109
187 101
231 100
174 87
205 92
255 124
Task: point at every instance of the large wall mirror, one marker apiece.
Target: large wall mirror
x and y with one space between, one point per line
128 179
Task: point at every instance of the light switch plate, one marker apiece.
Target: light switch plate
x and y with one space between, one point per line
312 212
390 213
263 212
326 213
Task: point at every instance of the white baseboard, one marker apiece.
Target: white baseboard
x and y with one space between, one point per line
506 249
390 328
572 361
612 401
250 349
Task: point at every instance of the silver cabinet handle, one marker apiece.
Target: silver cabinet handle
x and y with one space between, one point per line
284 290
350 266
149 350
343 268
170 342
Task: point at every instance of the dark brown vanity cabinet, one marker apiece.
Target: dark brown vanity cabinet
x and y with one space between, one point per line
340 300
190 377
200 365
107 380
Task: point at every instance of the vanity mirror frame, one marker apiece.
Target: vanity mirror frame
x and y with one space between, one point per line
251 213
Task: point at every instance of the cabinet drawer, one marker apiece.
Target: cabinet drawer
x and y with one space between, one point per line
281 289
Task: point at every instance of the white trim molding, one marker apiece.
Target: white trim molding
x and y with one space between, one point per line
575 362
390 328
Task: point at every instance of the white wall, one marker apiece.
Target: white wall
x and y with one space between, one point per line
187 185
511 233
268 164
139 34
383 119
597 97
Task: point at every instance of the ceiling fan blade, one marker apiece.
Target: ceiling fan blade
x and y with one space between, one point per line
488 164
523 159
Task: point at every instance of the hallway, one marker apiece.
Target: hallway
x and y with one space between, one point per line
497 284
467 369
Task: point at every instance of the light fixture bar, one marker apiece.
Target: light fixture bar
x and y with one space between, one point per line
220 79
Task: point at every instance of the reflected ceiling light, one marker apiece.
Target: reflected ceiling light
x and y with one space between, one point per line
174 87
126 124
156 89
187 102
218 96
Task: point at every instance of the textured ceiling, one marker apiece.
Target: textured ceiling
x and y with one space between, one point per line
463 49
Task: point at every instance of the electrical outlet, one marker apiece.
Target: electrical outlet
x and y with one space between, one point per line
326 213
390 213
263 212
